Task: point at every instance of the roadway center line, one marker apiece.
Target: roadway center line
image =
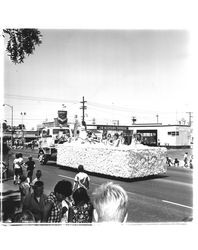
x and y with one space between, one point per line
173 182
177 204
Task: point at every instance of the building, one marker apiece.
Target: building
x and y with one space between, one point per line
26 135
153 134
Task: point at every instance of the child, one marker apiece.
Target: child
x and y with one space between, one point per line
191 161
186 160
30 168
17 167
176 162
38 177
81 179
24 187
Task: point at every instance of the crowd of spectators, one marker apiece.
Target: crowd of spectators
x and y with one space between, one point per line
67 203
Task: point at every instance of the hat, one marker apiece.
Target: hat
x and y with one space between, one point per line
30 157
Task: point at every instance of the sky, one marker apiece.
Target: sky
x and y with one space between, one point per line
120 73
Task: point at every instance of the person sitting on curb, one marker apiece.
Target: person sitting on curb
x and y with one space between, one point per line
110 203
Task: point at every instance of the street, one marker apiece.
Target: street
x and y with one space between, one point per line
165 198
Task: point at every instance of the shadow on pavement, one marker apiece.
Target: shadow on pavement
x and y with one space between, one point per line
117 178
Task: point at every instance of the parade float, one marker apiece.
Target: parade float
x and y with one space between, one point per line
125 161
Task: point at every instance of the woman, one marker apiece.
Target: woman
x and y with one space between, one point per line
82 210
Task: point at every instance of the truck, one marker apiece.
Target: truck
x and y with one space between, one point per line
49 139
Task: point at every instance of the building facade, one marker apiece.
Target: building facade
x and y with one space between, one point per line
153 134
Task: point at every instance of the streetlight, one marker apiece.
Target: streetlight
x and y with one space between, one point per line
10 106
22 114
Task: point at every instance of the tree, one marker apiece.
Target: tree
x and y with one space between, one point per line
21 42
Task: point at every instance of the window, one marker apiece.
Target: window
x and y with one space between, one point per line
173 133
64 131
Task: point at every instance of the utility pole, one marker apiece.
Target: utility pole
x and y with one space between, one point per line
83 108
190 118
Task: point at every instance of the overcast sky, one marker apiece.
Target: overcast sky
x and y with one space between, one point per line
121 73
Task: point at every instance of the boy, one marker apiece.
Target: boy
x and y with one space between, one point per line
81 179
38 177
17 167
30 168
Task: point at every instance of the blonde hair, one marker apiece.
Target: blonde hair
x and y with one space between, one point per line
110 202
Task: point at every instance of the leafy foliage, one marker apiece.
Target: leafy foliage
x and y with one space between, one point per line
21 42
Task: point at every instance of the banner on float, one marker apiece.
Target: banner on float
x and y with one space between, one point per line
62 116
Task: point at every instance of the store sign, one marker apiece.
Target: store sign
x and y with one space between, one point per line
62 116
122 128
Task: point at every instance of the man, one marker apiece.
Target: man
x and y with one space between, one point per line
30 168
110 203
81 179
36 201
53 209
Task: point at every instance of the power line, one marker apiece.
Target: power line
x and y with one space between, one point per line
35 98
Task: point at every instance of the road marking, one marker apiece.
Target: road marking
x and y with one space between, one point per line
66 176
177 204
174 182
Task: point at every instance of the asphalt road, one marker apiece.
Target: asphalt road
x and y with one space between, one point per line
166 198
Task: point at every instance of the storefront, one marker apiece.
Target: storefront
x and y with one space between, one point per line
152 134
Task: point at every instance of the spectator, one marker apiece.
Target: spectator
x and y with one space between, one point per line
8 209
24 217
17 168
38 177
30 168
66 204
36 201
81 179
5 163
110 203
53 208
24 188
176 162
186 159
21 162
191 162
168 161
82 210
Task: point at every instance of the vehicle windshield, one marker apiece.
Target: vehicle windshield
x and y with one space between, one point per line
57 130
